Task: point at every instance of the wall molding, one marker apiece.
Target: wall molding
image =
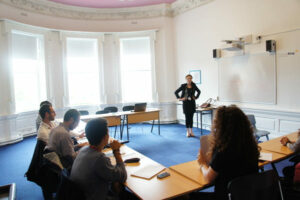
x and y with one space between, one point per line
74 12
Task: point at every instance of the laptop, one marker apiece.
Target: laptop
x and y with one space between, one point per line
140 107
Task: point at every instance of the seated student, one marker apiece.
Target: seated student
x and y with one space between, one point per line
92 170
39 118
47 114
289 171
60 139
292 145
233 151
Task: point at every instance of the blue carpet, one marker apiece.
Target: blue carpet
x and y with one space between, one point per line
170 148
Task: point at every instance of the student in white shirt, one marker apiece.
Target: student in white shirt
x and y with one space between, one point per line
47 114
39 118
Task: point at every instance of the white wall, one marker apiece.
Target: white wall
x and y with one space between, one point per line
200 30
14 126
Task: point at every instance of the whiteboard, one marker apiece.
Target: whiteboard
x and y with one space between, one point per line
249 78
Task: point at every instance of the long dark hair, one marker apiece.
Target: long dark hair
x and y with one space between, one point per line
232 131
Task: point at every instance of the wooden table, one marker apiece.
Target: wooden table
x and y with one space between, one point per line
191 170
137 117
113 119
274 145
204 111
166 188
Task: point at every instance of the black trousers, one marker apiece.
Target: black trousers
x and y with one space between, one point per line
189 110
189 119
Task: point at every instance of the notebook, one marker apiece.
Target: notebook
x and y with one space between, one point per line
265 156
148 171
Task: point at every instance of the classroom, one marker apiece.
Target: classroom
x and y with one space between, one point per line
175 99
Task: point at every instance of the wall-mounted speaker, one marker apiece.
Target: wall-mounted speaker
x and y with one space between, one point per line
216 53
271 45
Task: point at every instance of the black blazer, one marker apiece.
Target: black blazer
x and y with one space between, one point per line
182 90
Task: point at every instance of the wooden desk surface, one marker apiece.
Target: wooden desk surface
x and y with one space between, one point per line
192 171
136 117
150 110
166 188
113 119
274 145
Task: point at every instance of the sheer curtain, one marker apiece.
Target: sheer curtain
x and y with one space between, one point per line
83 71
28 70
136 69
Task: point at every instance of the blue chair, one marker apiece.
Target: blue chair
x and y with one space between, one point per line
258 133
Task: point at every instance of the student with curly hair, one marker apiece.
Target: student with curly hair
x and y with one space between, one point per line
233 150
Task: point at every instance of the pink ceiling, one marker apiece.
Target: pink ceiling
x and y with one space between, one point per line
111 3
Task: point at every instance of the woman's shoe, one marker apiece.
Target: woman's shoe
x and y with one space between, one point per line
188 134
192 135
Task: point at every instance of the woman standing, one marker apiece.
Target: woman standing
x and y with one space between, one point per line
188 98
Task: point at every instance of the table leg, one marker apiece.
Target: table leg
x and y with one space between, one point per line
274 167
120 131
201 121
152 126
197 118
123 123
158 125
127 128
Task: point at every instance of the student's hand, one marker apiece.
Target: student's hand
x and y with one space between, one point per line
182 99
201 157
115 145
83 144
284 141
82 135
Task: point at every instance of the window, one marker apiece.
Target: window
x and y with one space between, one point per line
83 71
28 70
136 74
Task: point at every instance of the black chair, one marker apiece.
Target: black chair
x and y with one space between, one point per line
112 109
68 189
8 192
258 186
83 112
101 112
128 108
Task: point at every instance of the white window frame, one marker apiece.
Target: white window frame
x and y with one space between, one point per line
152 35
29 31
99 38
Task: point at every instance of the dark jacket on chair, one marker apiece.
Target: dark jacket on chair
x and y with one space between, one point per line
32 173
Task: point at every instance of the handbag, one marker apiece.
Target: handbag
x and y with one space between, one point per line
207 103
